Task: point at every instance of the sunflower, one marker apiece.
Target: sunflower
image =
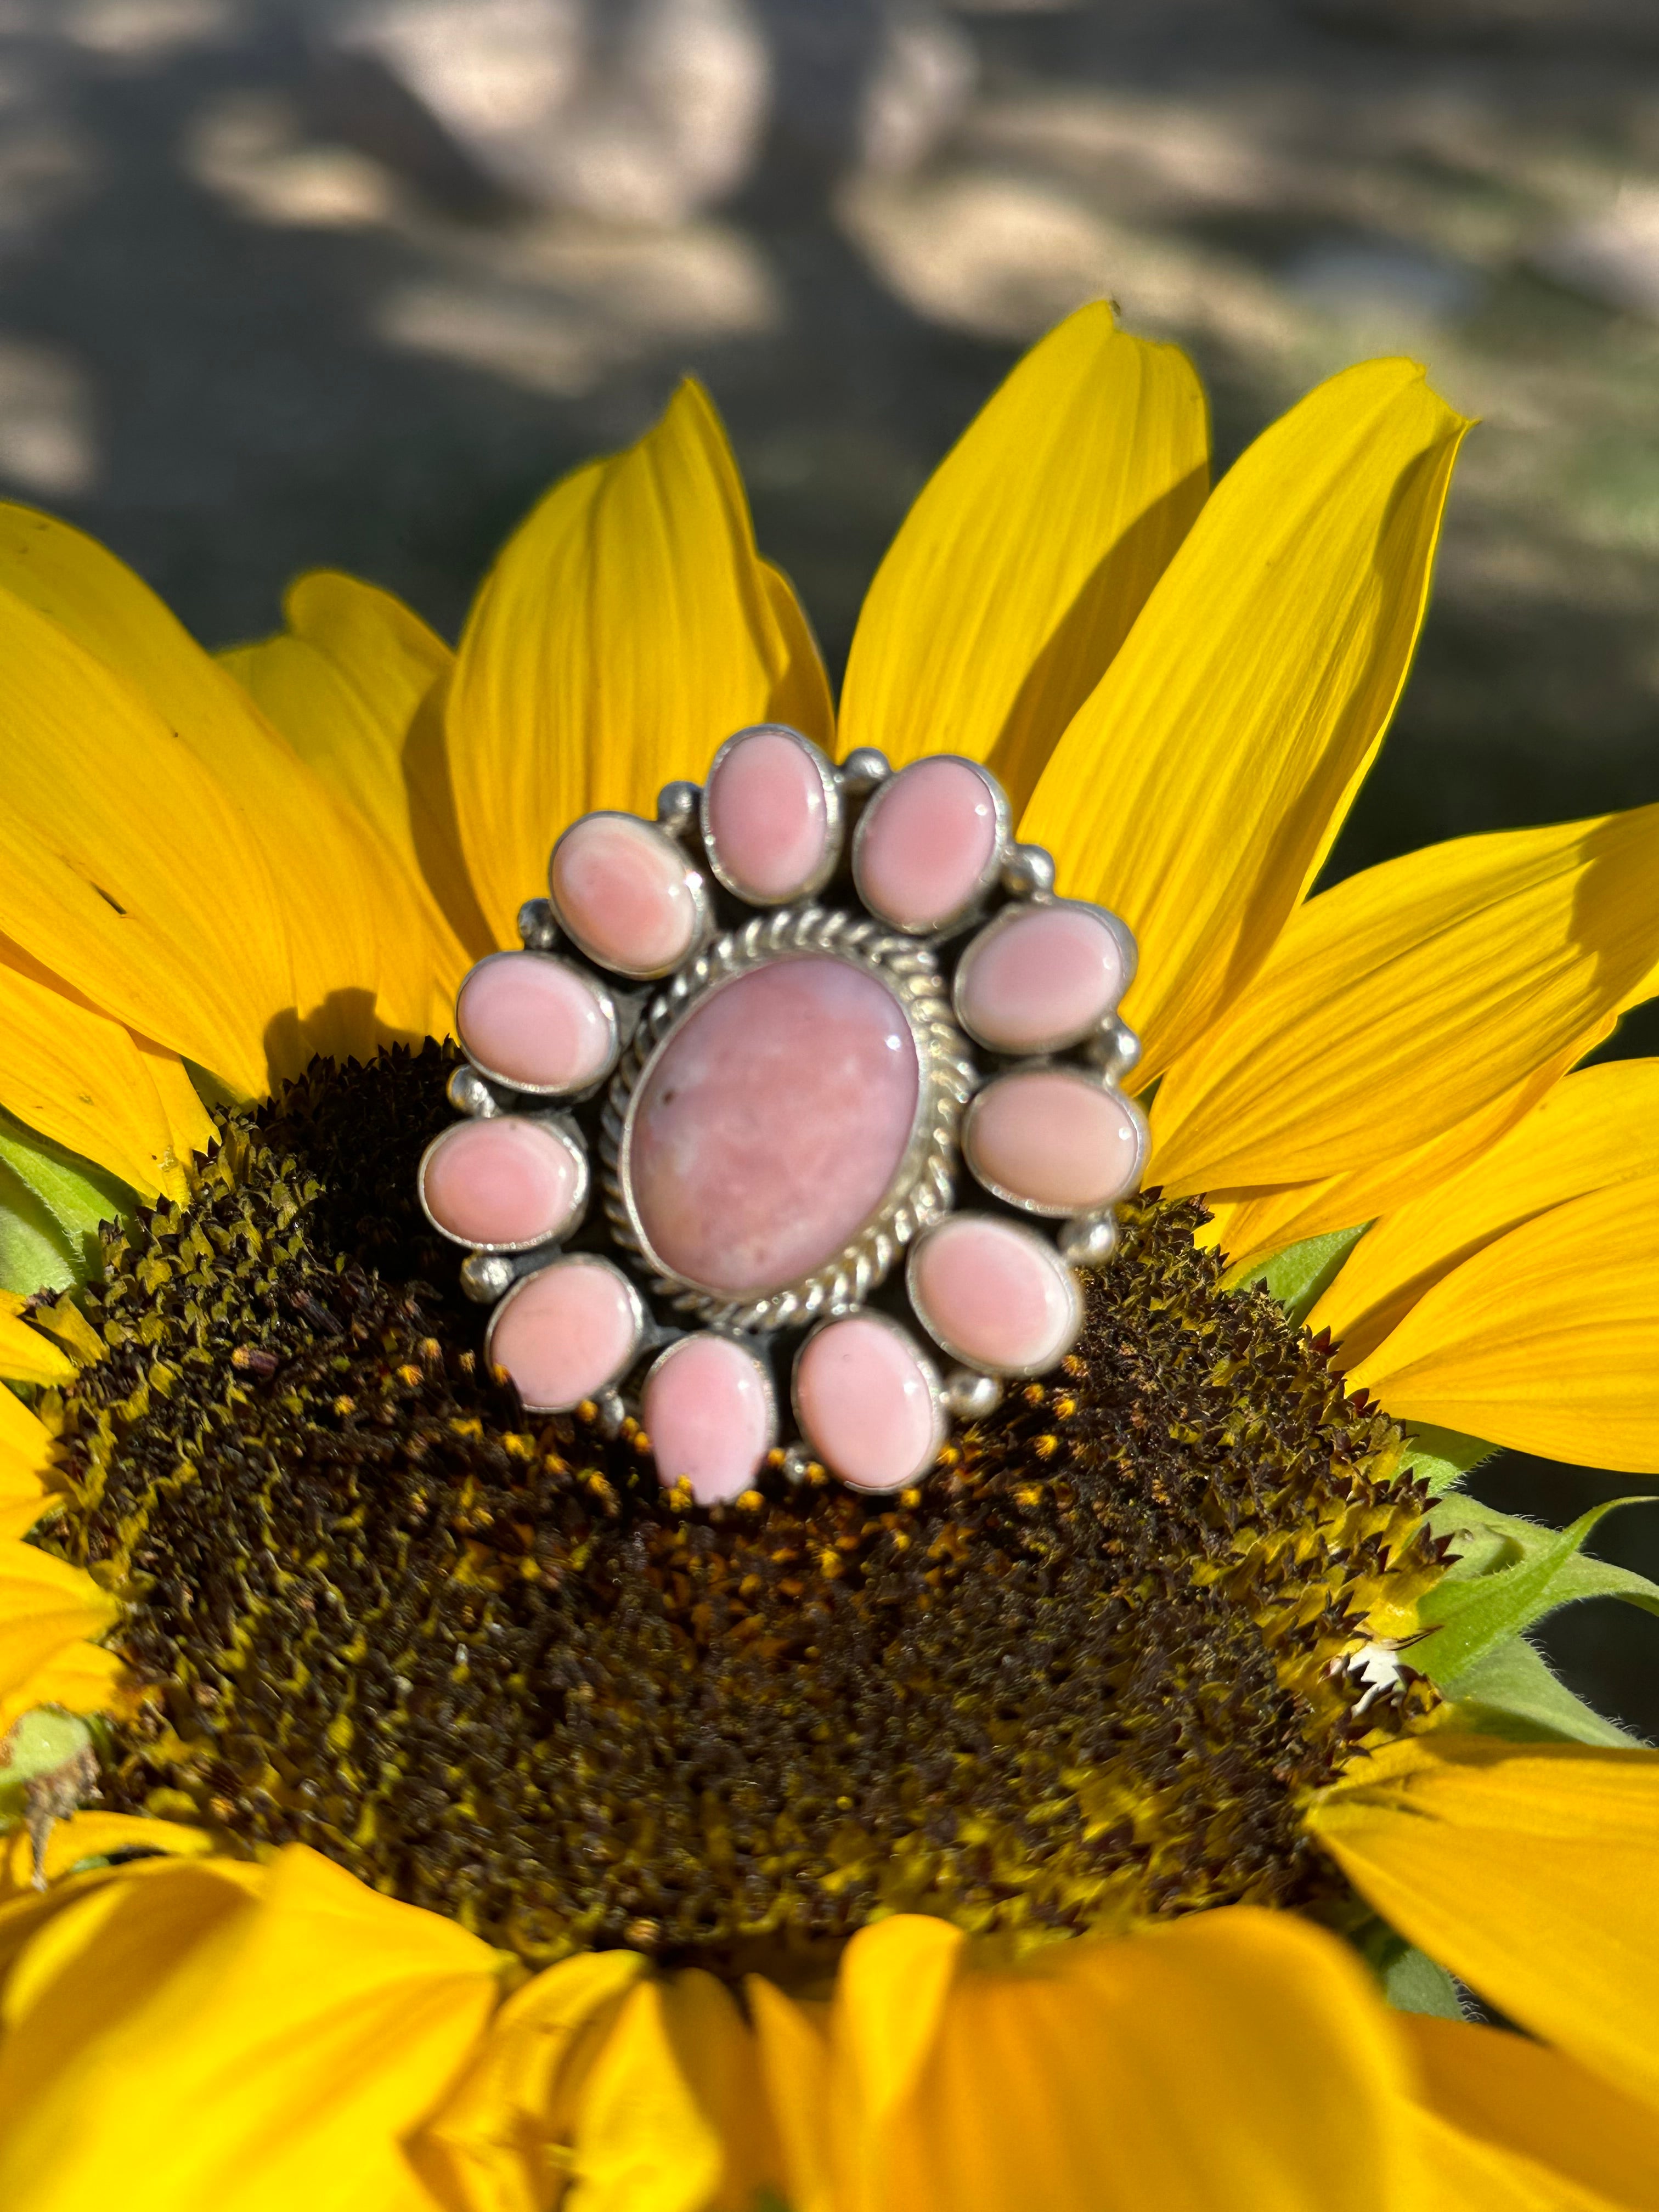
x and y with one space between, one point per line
415 1810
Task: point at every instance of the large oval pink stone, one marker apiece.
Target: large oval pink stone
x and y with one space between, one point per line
532 1020
866 1405
706 1408
771 1125
768 814
623 889
502 1183
1039 977
1053 1138
927 845
995 1295
566 1334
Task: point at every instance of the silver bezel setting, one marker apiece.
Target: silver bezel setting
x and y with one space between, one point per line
607 1004
1010 916
692 876
636 1307
835 824
984 884
923 1184
556 1127
1087 1077
947 1344
928 1368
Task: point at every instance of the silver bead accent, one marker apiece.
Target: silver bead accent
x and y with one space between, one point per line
677 809
863 769
470 1094
969 1395
612 1412
796 1461
1089 1240
1114 1049
486 1276
1028 872
538 927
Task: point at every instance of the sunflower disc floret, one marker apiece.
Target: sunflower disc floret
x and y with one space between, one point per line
1089 1673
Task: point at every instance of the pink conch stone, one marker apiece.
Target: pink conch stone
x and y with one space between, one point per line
707 1408
771 1126
619 888
1039 979
565 1334
534 1022
768 815
995 1294
501 1181
864 1406
926 843
1057 1138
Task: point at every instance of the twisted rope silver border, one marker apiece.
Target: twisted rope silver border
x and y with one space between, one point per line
923 1186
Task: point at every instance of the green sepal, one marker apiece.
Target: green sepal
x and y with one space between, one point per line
1442 1457
1513 1692
1299 1276
1411 1980
51 1202
46 1744
1510 1574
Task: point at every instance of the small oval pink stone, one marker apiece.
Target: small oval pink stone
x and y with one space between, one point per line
862 1393
771 1125
1059 1140
534 1022
768 815
927 842
501 1182
619 888
566 1334
1040 979
995 1295
706 1408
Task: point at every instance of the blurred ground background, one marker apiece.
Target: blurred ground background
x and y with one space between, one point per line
289 282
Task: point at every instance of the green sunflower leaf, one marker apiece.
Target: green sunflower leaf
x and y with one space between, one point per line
1299 1275
1442 1457
1513 1692
50 1204
1510 1574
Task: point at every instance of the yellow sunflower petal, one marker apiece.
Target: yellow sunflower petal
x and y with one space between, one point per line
1598 1127
1510 2091
83 1678
25 1456
1546 1341
642 2136
506 2123
1198 788
1532 1871
1137 2076
1411 998
83 1080
194 2041
341 908
1459 2173
627 628
47 1608
1017 573
25 1356
795 2059
90 1835
800 697
345 684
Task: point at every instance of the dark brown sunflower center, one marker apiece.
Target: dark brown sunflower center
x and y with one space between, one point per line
1087 1672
